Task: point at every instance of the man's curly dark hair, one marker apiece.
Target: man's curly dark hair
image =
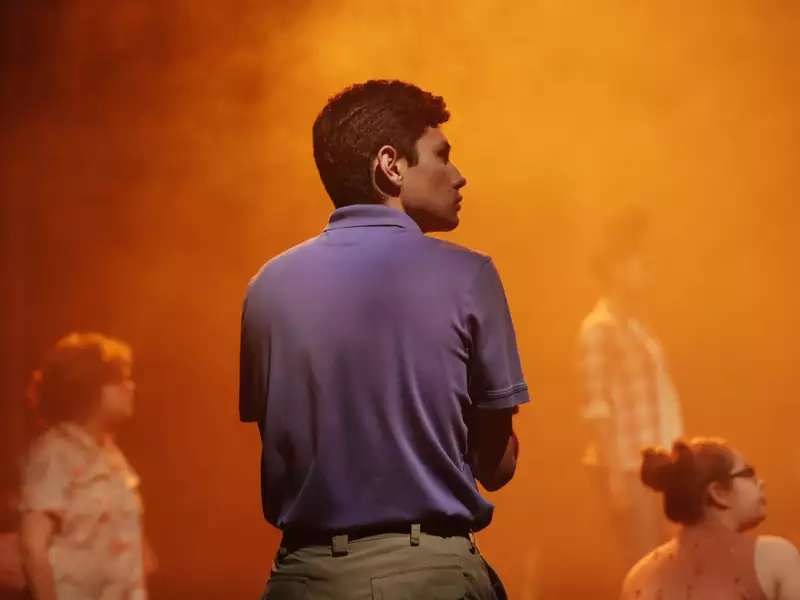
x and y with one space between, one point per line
356 123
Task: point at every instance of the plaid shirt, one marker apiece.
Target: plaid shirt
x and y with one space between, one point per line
625 379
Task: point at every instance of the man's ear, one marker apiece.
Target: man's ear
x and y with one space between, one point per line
387 172
719 494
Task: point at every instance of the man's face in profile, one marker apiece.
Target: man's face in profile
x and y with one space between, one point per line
430 190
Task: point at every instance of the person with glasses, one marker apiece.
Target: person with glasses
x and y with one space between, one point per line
715 497
81 512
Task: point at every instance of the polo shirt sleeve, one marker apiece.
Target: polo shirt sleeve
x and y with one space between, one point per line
496 380
253 366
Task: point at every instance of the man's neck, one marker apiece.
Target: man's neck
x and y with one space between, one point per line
395 203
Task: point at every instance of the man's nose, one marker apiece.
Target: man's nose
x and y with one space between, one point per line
461 181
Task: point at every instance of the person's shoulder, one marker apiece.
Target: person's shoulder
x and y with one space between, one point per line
641 573
599 316
52 441
777 564
279 262
777 548
465 264
598 323
456 251
51 447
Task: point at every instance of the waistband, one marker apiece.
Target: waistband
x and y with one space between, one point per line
294 539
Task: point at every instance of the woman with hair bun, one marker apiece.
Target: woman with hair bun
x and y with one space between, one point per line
715 497
81 522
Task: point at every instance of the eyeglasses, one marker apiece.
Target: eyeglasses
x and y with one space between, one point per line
747 472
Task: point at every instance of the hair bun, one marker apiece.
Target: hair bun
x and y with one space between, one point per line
656 468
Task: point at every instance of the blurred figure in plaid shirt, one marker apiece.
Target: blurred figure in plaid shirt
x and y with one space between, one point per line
629 401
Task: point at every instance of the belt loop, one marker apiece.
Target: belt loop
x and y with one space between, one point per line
339 545
416 533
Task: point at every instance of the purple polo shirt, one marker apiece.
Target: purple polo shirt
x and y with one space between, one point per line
365 352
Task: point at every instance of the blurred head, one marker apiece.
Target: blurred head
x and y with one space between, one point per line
85 376
619 263
379 142
703 478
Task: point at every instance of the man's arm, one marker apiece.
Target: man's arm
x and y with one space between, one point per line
36 532
495 447
497 386
253 357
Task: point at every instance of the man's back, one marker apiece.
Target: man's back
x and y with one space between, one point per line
363 351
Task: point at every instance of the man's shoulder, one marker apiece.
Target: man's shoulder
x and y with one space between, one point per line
598 322
441 255
456 254
279 262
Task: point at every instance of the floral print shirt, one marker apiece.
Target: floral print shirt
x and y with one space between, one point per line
92 492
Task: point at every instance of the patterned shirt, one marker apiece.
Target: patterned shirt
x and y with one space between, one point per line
625 379
96 551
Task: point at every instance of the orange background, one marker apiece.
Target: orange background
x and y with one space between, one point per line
156 154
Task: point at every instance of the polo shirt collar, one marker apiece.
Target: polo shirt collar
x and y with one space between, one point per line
370 215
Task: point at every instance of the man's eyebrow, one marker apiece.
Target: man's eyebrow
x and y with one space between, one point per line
443 147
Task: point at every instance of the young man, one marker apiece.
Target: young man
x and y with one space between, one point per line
381 367
629 399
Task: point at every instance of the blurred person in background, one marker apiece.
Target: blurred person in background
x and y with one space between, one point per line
715 497
629 400
81 512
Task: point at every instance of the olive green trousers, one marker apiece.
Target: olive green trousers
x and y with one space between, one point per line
391 566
